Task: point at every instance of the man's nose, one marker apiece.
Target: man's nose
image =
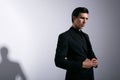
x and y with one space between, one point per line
85 21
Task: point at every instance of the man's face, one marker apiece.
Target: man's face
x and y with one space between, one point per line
80 21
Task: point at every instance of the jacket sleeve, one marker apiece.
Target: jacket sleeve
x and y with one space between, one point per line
90 50
60 58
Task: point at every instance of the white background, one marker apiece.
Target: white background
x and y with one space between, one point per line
30 29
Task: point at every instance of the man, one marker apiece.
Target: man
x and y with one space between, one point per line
74 51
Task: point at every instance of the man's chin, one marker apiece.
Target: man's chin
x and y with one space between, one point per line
82 27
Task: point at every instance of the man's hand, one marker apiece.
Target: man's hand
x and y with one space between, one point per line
87 63
95 62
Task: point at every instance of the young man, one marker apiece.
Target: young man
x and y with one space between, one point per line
74 51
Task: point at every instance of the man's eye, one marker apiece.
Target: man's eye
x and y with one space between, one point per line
82 17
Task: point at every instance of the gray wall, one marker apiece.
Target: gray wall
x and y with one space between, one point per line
30 29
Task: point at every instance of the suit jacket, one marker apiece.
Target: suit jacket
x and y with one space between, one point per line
71 52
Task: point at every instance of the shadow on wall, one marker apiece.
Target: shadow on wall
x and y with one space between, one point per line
9 70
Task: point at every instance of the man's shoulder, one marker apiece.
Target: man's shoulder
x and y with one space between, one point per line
85 33
65 34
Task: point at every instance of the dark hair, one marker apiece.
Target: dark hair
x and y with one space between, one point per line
79 10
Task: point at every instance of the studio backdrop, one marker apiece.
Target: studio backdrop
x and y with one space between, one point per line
29 32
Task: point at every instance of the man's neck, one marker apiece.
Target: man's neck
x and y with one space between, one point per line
79 29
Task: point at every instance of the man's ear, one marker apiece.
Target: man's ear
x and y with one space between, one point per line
73 18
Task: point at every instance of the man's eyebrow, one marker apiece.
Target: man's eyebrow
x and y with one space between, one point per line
83 17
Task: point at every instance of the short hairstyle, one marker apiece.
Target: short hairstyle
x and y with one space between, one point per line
79 10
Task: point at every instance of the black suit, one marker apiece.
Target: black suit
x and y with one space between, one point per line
72 49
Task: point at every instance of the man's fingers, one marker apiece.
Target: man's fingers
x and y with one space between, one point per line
94 59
